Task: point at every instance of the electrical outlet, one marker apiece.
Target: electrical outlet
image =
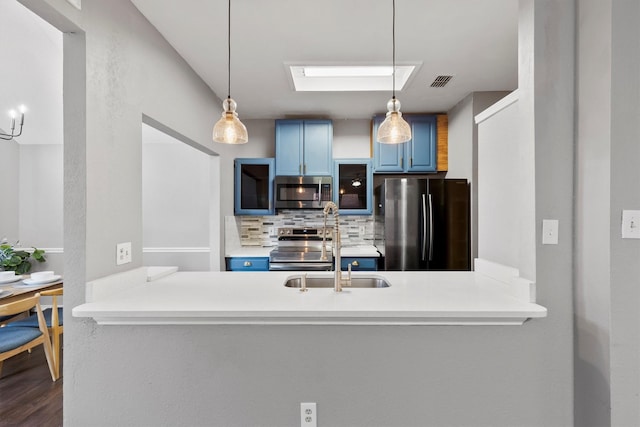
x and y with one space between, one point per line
123 253
630 224
308 415
362 230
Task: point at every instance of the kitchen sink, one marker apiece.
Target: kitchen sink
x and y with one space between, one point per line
327 282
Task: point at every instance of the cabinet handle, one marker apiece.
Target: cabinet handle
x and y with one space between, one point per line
411 162
305 168
300 169
401 161
247 263
355 263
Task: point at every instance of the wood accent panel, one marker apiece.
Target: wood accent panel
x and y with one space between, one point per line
443 142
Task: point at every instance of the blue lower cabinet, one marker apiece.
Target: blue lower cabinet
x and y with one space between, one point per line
248 264
359 264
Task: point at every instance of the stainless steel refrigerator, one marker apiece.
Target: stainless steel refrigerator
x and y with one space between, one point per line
423 224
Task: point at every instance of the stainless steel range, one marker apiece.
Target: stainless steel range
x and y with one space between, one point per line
301 249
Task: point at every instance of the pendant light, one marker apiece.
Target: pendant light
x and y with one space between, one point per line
394 129
229 129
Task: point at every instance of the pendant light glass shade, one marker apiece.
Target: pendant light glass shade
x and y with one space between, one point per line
394 129
229 129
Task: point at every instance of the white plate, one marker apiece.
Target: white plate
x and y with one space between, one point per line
10 280
31 282
5 293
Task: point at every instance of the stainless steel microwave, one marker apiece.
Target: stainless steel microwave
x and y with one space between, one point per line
302 192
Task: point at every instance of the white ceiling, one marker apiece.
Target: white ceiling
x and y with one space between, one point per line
474 40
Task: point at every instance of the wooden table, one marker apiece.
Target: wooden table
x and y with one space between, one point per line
20 291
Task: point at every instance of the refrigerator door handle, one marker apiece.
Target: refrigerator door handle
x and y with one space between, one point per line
424 227
430 229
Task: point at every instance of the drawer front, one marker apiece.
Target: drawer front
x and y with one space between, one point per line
248 264
359 264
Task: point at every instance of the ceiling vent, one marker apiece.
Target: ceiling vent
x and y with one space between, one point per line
441 81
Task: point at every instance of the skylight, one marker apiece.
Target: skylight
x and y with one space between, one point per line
340 78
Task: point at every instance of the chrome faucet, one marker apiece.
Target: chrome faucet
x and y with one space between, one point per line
338 280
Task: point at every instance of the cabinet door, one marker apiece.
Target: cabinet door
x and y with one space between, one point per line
318 141
353 181
289 140
247 264
359 264
386 157
421 150
253 186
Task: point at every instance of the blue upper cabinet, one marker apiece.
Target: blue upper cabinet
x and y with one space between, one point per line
386 157
289 140
253 186
421 150
304 147
353 181
417 155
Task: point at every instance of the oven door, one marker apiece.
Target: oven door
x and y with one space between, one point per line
302 192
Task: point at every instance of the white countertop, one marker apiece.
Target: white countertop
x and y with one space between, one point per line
257 251
414 298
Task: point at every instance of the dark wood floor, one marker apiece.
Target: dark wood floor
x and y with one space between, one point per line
28 397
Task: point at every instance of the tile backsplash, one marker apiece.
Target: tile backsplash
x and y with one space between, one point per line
262 230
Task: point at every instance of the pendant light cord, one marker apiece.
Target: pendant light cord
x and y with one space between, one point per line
229 52
393 30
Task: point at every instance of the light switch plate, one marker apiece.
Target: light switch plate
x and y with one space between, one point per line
630 224
549 231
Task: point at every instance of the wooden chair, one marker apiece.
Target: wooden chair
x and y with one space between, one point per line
53 318
15 340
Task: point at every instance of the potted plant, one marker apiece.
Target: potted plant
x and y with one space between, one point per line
18 260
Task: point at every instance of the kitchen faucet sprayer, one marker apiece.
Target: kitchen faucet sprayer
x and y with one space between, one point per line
338 280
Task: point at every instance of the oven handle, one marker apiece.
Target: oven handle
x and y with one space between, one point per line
300 266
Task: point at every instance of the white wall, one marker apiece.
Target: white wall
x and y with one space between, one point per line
31 165
463 148
31 74
240 375
175 202
351 139
502 195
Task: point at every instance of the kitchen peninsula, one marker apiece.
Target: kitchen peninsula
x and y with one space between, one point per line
413 298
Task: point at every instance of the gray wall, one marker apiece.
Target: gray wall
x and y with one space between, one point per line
593 217
9 176
41 195
222 375
607 319
31 175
